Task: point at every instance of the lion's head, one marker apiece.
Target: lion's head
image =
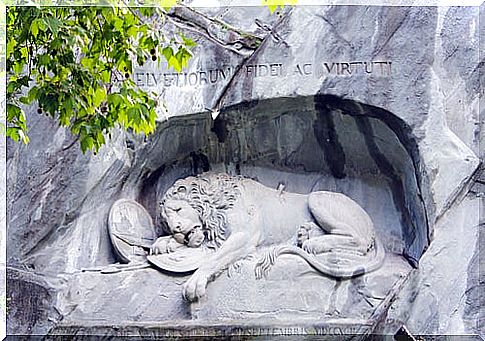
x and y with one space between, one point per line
211 195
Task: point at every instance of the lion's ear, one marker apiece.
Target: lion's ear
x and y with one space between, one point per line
182 190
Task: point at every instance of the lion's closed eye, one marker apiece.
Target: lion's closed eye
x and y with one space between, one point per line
174 208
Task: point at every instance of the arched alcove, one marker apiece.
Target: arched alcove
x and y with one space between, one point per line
306 144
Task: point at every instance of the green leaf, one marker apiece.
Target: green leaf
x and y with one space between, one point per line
18 67
99 96
273 8
175 63
24 81
44 59
11 87
274 4
106 76
13 112
118 24
64 120
23 52
130 19
123 118
53 24
87 62
69 105
11 46
87 143
32 93
167 53
24 138
34 28
57 44
184 56
114 100
187 41
13 133
132 31
71 90
167 4
24 100
100 138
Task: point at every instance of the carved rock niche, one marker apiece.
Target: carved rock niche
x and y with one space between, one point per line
299 145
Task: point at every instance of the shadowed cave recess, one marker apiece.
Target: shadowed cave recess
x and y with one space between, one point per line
304 144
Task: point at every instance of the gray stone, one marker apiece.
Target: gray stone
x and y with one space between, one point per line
397 134
293 291
130 229
441 297
233 217
302 147
123 297
31 303
54 192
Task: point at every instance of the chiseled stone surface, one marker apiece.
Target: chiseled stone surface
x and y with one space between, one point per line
53 192
442 297
32 301
294 291
59 199
411 92
125 297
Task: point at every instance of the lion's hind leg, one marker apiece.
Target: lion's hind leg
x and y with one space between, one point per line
333 242
307 231
347 225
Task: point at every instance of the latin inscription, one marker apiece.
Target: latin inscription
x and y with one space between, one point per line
261 331
381 68
202 77
264 70
213 76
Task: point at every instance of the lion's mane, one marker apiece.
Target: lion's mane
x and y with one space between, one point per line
211 195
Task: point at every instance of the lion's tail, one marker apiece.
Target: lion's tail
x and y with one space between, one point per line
265 263
333 270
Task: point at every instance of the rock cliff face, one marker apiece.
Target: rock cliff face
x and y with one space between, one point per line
379 103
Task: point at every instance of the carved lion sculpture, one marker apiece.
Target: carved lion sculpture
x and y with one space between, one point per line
234 216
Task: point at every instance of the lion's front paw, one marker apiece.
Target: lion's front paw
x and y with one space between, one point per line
164 245
194 288
160 246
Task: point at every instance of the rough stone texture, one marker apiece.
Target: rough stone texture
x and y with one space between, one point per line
59 199
411 92
125 297
456 56
32 303
53 194
419 90
384 165
441 297
3 234
294 291
116 299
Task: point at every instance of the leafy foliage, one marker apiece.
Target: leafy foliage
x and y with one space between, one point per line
274 4
76 63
